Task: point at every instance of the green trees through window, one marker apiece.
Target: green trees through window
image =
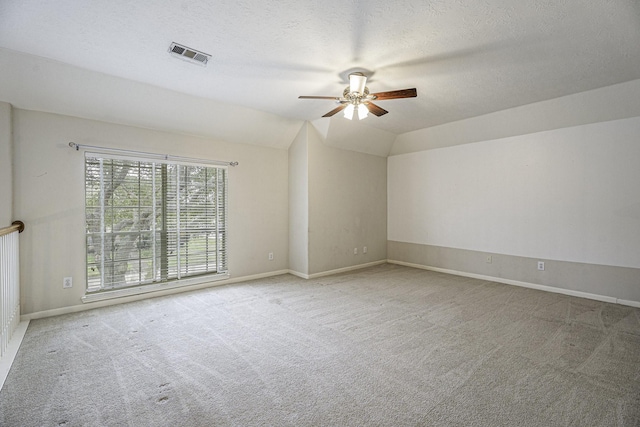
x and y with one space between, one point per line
149 221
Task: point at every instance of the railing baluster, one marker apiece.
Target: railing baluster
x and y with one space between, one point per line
9 283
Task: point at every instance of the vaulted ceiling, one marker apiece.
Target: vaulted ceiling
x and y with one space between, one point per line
109 60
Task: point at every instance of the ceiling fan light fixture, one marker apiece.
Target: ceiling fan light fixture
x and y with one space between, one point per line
363 112
357 96
348 112
357 82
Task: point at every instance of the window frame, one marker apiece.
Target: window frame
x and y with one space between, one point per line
178 278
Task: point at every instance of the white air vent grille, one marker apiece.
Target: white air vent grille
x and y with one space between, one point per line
189 54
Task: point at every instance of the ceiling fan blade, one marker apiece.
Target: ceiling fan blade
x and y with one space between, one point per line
374 109
336 110
337 98
396 94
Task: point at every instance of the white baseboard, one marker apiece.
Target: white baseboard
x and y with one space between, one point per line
12 350
119 299
136 295
630 303
336 271
298 274
104 303
546 288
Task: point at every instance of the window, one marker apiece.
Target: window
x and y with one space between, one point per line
151 221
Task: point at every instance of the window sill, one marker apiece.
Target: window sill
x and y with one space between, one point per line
144 289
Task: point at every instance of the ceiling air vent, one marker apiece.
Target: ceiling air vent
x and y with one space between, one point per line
189 54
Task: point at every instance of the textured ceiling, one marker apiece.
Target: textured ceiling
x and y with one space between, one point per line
466 58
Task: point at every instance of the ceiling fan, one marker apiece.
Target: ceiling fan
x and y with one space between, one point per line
356 96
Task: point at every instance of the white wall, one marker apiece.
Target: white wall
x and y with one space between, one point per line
299 203
49 198
618 101
6 167
569 194
347 206
34 83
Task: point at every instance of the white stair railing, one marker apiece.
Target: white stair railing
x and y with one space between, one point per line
9 283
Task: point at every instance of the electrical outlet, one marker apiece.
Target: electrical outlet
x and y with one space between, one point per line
489 259
67 282
364 250
270 256
541 265
355 251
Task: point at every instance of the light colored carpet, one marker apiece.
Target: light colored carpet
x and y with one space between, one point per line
384 346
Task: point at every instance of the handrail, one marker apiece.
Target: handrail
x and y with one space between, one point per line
15 226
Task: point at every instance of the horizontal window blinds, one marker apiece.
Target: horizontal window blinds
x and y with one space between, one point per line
150 222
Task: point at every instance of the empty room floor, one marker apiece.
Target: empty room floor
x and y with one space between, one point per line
383 346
